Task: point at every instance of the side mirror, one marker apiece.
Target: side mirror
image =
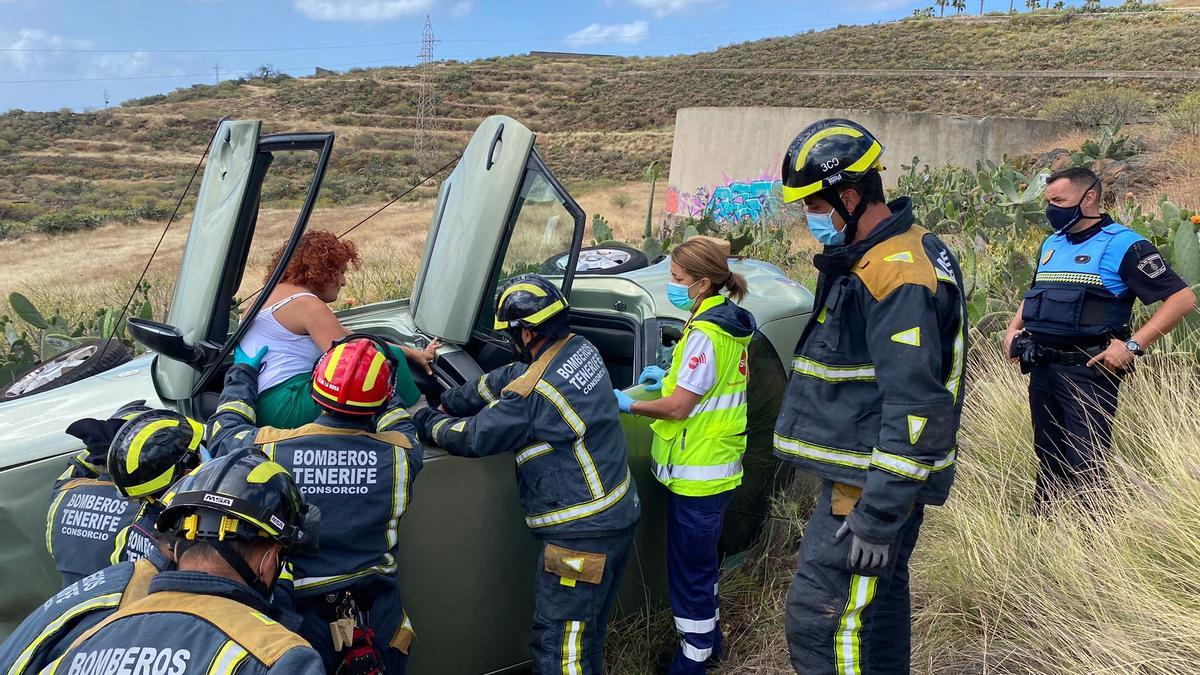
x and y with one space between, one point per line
166 340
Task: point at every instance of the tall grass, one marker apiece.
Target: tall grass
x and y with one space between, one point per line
1114 589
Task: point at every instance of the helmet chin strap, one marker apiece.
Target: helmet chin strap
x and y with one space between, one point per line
237 562
850 219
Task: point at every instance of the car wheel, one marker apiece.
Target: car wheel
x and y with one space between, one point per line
70 366
606 259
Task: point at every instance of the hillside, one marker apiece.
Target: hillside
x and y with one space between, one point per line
597 118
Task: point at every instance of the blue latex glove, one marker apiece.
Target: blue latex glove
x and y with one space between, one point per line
242 358
623 400
654 376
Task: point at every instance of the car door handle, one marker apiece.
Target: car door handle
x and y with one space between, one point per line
497 141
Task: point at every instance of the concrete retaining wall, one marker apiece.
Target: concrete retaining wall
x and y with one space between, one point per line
727 159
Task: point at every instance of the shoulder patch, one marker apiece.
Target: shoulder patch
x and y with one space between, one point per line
523 385
895 262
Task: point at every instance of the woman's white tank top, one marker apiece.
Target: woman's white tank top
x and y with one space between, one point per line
288 354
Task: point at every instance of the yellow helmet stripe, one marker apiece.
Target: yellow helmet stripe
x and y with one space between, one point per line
152 485
867 160
870 160
331 367
373 371
263 472
197 434
135 447
820 135
521 287
545 313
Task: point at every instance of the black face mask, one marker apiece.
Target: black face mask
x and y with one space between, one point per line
1063 218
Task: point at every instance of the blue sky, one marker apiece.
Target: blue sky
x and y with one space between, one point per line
67 53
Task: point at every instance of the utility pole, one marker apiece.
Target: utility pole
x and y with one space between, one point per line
424 144
217 73
105 99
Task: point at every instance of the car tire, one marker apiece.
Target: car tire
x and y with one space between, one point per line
608 259
70 366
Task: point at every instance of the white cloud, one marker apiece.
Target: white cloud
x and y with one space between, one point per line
461 9
625 33
35 62
360 10
662 8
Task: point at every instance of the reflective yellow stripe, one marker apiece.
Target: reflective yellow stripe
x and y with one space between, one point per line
847 641
263 472
228 658
485 393
1070 278
119 544
50 521
331 366
545 313
531 288
820 136
864 372
577 425
317 582
533 451
139 440
239 407
822 453
98 602
437 429
393 416
572 648
373 371
583 510
153 485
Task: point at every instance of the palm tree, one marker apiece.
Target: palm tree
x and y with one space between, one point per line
942 6
959 6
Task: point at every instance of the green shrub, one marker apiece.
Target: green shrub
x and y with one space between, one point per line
1092 107
58 222
1185 116
620 200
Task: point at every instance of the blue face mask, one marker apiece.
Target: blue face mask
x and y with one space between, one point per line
821 226
678 295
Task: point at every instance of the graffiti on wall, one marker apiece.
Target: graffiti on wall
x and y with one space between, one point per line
730 202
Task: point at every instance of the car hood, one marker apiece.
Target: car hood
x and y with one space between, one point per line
35 426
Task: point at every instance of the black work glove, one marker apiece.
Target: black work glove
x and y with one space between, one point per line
864 555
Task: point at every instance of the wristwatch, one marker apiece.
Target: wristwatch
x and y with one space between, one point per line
1134 347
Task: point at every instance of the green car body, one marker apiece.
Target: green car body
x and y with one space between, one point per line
466 557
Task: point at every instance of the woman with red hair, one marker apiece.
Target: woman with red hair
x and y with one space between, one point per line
297 327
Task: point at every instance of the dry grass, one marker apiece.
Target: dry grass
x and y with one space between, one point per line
997 591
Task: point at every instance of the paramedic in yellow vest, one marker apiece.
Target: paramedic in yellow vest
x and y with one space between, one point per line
699 436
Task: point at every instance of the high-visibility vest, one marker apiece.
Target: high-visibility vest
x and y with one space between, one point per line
702 454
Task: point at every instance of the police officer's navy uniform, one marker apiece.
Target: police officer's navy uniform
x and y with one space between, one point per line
872 408
360 475
1082 297
559 417
46 633
190 622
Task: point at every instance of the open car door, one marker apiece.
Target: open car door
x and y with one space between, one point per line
499 214
195 339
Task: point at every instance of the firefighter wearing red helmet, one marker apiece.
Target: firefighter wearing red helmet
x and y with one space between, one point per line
356 463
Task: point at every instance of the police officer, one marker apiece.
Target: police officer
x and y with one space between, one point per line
149 453
236 519
1072 332
356 464
53 626
872 406
555 410
87 513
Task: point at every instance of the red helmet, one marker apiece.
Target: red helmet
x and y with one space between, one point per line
355 377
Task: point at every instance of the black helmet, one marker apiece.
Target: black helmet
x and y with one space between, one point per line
153 450
531 301
828 153
242 495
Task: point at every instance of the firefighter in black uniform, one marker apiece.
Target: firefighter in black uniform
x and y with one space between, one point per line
872 406
356 463
556 411
1072 332
236 520
87 514
149 453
